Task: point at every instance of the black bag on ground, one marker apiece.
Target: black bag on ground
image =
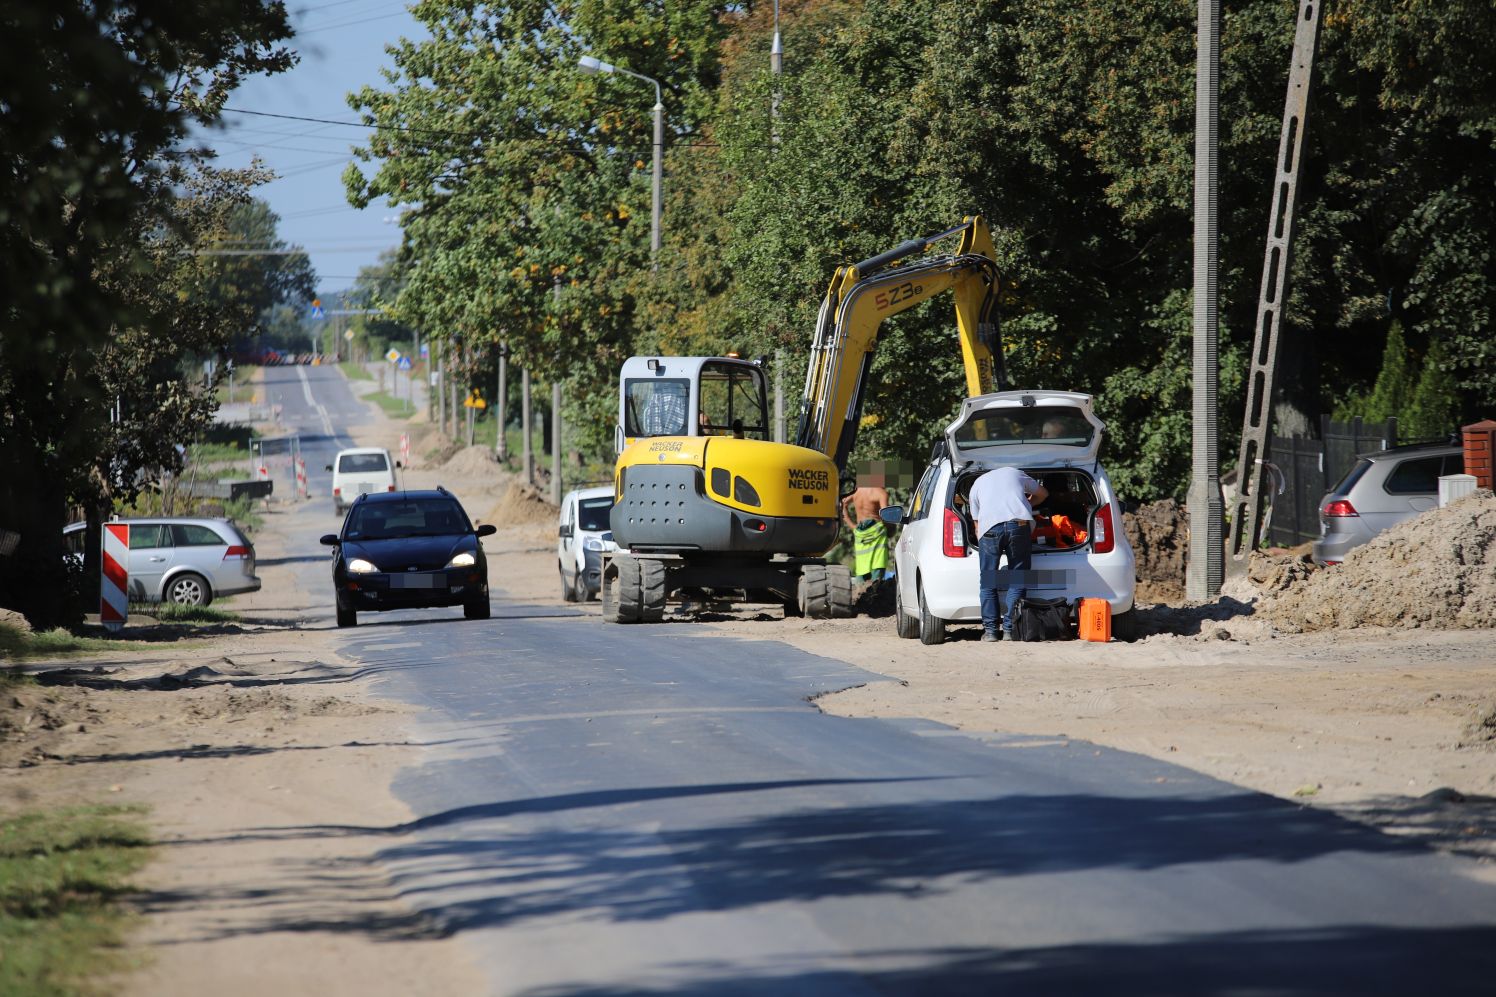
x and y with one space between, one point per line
1044 619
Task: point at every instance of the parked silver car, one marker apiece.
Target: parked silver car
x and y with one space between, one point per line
1381 490
187 561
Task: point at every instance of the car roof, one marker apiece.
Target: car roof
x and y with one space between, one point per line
422 493
361 450
1413 450
597 492
152 520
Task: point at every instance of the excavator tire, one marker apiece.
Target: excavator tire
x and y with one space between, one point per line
839 591
813 595
652 590
623 597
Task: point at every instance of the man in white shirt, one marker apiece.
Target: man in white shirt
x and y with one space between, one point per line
1001 503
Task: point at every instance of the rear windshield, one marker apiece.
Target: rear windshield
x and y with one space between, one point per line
592 514
1351 477
1055 425
362 463
407 518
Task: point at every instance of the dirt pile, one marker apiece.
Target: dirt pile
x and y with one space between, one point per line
521 505
470 461
1436 570
875 599
1159 532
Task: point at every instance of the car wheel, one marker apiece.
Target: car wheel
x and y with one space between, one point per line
188 589
904 625
568 592
346 617
579 591
478 610
931 627
1125 626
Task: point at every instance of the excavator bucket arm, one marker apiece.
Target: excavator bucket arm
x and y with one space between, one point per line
862 296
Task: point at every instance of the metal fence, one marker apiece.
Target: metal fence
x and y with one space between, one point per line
1307 469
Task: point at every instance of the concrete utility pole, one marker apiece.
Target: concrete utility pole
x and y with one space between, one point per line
501 441
1206 507
776 67
556 443
440 389
524 424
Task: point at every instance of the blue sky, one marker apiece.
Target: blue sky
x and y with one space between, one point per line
341 44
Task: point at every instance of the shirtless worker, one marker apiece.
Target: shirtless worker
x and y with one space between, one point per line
869 536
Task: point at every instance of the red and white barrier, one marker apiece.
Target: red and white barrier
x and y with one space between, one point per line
301 489
114 583
405 449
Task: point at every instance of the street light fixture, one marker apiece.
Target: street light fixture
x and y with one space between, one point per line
590 65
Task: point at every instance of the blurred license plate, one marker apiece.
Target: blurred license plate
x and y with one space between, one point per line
417 580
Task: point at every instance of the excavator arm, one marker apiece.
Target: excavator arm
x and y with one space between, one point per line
862 296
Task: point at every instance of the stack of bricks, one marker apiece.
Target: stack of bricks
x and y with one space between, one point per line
1480 447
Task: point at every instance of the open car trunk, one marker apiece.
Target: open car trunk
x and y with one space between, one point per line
1062 522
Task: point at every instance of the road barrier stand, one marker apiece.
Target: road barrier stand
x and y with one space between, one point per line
114 583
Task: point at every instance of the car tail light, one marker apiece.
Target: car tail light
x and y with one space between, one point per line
1339 507
953 535
337 491
1103 536
390 488
237 551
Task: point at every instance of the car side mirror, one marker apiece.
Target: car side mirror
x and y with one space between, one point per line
892 515
327 468
330 540
565 531
398 465
486 530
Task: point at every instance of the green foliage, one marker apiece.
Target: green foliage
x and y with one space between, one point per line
62 875
1069 126
18 645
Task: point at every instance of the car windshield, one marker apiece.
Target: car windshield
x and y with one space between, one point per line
1054 425
362 463
592 514
406 518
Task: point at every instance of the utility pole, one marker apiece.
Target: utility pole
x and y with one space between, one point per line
524 424
776 67
556 443
440 388
501 440
1206 507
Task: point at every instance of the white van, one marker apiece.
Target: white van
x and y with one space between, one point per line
358 470
584 536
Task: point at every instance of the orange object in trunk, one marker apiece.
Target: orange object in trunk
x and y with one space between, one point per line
1095 620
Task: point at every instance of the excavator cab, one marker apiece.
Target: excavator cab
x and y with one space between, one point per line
692 396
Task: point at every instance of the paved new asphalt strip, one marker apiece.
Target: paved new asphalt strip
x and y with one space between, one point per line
610 810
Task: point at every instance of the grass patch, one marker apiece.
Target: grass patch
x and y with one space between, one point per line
62 873
212 453
170 612
355 371
393 407
245 512
17 645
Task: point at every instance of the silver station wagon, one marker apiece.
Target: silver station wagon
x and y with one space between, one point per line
187 561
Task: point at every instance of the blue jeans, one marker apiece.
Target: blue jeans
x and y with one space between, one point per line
1014 538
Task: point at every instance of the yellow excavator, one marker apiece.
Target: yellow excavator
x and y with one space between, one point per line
706 500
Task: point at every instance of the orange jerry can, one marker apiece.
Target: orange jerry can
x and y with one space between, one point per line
1095 620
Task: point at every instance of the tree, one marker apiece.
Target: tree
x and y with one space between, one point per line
95 117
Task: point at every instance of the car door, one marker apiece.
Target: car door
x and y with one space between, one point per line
567 546
151 553
1410 488
916 525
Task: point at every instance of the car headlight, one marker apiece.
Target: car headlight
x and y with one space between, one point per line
463 560
592 543
358 566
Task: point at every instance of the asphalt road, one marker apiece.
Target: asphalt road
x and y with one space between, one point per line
618 811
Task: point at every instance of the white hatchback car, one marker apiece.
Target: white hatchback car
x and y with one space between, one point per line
359 470
584 535
1080 549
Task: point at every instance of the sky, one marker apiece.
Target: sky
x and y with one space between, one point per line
341 44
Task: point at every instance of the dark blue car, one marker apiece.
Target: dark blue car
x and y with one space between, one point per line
408 550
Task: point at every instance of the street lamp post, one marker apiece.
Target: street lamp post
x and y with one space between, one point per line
589 64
